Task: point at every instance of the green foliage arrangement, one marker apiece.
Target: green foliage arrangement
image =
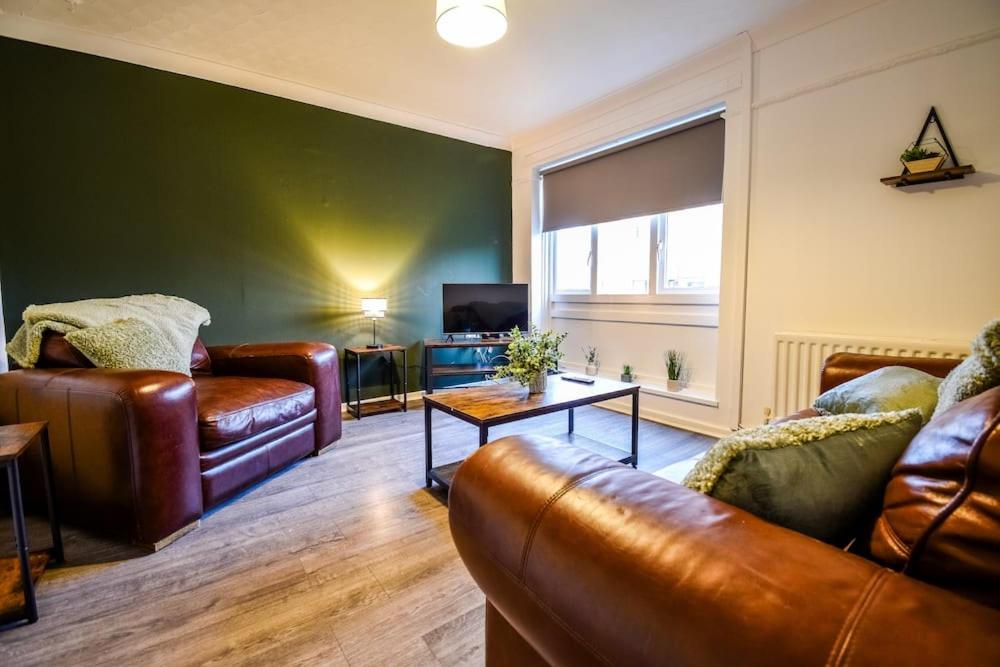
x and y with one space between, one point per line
591 355
626 369
674 361
531 354
917 153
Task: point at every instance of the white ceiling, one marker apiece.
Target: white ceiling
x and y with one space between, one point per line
557 54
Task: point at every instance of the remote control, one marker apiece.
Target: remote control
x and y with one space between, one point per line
582 379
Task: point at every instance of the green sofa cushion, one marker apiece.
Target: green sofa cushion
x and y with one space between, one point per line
821 476
888 389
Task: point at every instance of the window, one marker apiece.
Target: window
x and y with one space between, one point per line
572 260
674 252
623 257
690 251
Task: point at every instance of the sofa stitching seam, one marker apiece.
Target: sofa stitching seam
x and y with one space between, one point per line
536 522
842 645
894 539
255 405
862 616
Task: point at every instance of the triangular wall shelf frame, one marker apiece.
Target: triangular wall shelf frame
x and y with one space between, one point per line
954 172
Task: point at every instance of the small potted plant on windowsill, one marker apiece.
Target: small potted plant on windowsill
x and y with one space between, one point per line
918 159
593 360
626 373
530 358
674 361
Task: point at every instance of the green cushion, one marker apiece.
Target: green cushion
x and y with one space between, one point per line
888 389
977 373
128 343
822 476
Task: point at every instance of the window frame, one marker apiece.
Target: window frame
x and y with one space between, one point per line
655 295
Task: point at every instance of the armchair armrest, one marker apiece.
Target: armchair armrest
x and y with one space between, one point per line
124 446
315 364
591 562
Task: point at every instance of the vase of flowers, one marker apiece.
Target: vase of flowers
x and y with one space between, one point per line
674 361
593 360
530 357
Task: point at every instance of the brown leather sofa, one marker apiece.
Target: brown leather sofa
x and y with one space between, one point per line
142 454
587 562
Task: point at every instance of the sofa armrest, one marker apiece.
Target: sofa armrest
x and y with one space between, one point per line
315 364
124 446
592 562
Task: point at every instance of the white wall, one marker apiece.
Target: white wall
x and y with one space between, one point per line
839 90
832 250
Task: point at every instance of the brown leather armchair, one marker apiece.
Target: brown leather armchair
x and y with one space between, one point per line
142 454
586 562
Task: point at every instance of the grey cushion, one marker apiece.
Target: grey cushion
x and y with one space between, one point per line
888 389
821 476
977 373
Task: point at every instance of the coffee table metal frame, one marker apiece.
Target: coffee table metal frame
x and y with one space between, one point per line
443 474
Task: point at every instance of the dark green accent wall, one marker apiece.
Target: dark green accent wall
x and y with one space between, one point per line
275 215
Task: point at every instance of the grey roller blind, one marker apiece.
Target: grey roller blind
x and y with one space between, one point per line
677 169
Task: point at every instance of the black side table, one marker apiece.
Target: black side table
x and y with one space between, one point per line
391 404
14 441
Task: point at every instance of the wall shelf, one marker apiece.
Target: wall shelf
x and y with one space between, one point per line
953 173
947 174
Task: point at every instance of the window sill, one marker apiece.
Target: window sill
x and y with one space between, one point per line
694 298
698 395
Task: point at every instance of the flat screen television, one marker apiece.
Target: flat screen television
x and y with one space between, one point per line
484 308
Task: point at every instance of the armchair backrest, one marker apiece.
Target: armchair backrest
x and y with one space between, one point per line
56 352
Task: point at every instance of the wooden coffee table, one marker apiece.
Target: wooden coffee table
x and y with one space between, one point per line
494 404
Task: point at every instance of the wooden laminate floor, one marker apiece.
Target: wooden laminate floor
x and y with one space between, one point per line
344 559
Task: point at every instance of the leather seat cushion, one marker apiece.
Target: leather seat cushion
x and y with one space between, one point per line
231 408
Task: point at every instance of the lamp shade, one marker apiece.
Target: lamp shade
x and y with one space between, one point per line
471 23
374 308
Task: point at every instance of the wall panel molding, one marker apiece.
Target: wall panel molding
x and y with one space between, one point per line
875 68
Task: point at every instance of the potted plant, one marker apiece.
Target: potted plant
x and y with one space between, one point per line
593 359
530 357
626 373
674 361
918 159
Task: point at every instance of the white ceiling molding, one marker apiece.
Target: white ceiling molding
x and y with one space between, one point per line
41 32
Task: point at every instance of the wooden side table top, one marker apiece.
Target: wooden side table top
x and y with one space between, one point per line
388 347
15 438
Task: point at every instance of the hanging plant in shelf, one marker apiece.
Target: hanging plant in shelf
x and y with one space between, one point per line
918 159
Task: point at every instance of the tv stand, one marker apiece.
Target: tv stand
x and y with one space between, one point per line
432 371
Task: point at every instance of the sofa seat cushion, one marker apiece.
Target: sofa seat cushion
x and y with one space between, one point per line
232 408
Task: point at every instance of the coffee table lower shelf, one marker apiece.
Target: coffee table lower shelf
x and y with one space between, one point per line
443 474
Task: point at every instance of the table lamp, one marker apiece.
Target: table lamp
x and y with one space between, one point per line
375 309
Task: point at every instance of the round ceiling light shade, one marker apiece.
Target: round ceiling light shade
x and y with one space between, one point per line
471 23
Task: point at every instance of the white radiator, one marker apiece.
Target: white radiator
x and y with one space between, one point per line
799 358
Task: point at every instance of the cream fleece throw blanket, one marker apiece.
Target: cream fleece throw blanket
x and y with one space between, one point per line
176 318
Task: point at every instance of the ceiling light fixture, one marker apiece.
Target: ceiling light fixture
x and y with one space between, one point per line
471 23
